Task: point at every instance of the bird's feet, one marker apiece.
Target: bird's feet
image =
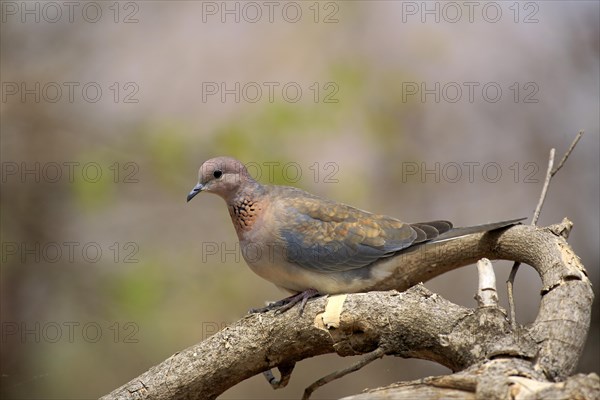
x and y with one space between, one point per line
283 305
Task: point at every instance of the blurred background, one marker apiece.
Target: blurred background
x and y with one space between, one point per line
417 110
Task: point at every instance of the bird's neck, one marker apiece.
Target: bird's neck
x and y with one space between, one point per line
246 205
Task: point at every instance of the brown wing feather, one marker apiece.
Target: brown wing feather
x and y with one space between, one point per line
331 236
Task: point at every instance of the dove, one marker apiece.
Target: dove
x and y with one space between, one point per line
308 245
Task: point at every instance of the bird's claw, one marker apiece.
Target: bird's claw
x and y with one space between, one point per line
284 305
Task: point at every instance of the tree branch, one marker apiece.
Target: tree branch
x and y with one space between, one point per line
567 153
542 199
415 323
369 358
550 172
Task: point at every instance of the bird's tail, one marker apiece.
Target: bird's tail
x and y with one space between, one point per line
456 232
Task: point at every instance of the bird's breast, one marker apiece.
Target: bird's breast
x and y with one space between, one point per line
245 212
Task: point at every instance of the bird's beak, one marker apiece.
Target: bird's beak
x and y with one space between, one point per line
197 189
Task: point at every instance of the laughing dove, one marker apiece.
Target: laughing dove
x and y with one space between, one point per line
308 245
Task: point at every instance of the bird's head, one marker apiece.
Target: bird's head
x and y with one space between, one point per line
222 176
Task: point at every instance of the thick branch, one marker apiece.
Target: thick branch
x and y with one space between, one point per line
411 324
467 387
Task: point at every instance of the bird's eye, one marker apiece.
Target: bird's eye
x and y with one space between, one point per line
217 174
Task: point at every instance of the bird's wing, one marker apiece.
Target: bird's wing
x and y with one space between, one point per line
326 236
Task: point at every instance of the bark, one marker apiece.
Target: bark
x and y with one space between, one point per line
489 357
